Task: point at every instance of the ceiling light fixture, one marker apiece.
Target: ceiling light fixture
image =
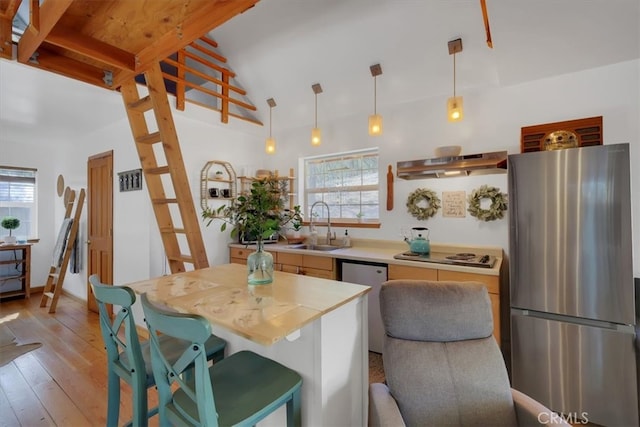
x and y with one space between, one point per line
454 104
316 138
270 144
375 120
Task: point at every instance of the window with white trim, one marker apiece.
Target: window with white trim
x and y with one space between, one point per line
347 182
18 198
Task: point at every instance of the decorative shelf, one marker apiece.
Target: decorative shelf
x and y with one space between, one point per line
206 179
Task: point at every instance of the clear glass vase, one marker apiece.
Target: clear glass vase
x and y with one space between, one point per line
260 266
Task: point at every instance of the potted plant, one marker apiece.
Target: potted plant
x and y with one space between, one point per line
296 225
10 223
294 219
259 214
218 175
359 215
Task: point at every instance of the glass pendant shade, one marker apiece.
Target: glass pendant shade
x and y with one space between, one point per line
375 119
455 111
316 137
270 146
375 125
270 143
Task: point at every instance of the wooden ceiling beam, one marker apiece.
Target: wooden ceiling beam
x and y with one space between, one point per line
63 65
208 17
91 48
50 12
10 9
6 27
6 45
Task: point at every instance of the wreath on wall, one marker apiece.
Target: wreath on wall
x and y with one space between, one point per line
498 203
417 200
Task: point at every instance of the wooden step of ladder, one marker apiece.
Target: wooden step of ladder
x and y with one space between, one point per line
55 279
165 193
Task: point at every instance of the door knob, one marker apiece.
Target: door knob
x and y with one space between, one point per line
88 242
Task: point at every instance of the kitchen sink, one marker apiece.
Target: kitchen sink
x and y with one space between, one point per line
314 247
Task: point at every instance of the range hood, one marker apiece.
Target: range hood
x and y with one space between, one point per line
441 167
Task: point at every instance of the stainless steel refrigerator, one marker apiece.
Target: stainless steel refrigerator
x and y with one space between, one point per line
574 315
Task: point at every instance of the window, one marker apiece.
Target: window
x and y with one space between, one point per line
18 197
347 182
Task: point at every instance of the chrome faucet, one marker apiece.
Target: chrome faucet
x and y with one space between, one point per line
328 220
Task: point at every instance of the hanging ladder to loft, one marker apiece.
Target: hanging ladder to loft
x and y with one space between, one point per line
166 178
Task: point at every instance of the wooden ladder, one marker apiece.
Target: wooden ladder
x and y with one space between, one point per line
166 178
55 279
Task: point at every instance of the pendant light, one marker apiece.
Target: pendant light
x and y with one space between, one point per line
316 137
454 104
270 144
375 120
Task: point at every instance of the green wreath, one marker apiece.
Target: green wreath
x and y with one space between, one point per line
498 203
423 195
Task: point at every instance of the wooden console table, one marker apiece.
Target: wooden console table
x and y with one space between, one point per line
16 268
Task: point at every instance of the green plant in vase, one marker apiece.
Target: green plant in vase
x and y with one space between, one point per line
10 223
258 214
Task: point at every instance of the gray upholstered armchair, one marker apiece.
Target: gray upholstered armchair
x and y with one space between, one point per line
442 365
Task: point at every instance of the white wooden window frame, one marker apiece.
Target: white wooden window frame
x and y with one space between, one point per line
11 205
344 177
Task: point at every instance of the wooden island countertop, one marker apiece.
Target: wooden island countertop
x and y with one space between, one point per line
266 315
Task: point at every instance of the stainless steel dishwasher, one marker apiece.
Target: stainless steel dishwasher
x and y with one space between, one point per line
374 275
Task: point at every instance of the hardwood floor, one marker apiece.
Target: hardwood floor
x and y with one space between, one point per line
62 383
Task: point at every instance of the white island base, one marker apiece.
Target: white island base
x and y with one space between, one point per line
331 356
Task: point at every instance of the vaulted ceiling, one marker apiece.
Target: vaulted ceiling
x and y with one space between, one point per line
279 48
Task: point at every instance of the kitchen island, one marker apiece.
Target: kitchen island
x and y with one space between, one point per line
315 326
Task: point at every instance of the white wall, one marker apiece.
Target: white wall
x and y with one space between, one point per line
24 151
493 119
492 122
138 252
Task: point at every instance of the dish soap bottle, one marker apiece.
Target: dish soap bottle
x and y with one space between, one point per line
346 240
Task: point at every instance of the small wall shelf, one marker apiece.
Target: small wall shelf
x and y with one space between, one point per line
289 196
227 182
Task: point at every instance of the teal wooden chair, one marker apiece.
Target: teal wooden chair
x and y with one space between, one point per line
128 358
240 390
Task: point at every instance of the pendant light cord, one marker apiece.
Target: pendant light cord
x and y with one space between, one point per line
316 115
375 95
454 75
270 111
